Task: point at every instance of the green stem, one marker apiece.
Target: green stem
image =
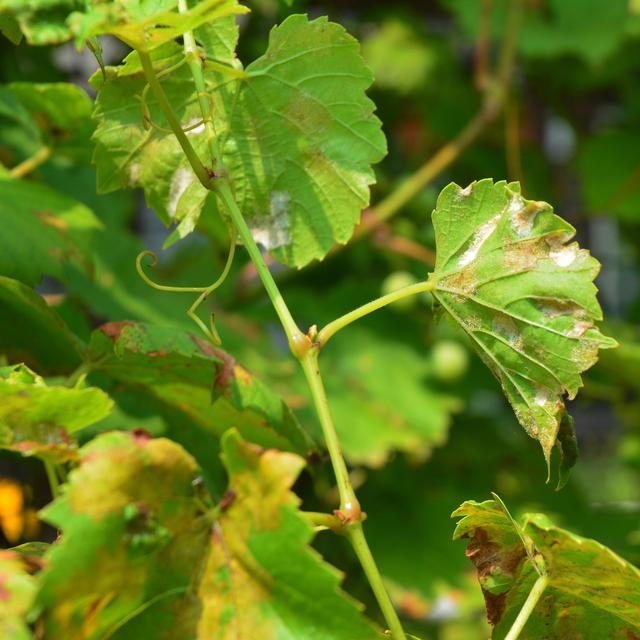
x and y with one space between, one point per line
195 64
301 346
349 505
52 477
528 607
164 104
350 513
22 169
356 536
295 337
333 327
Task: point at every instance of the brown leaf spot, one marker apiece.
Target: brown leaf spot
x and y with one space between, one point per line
160 353
490 559
52 220
114 329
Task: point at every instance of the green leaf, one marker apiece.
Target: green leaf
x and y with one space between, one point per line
132 153
10 28
133 540
32 332
261 573
302 140
42 230
191 375
506 275
301 190
17 591
42 21
375 418
142 24
62 113
145 25
592 592
38 420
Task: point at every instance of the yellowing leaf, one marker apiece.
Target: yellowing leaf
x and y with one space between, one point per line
591 592
261 578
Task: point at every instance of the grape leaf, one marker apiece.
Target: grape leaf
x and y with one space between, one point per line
32 332
592 592
261 574
302 140
42 22
146 25
17 591
42 229
129 155
62 114
505 274
193 376
141 24
38 420
133 538
310 182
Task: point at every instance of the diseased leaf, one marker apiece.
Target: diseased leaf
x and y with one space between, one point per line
261 573
38 420
302 140
592 592
17 591
32 332
133 538
505 273
41 230
194 377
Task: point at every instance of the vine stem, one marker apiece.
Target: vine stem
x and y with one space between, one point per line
195 65
528 607
295 337
349 514
339 323
32 163
164 104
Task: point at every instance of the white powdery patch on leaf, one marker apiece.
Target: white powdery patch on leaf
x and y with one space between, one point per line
180 181
273 229
134 171
563 256
480 237
463 193
523 216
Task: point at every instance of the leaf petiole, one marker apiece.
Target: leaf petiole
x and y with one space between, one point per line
340 323
528 607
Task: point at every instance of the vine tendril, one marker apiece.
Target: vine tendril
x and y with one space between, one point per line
210 331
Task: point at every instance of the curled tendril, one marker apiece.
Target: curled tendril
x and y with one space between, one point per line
210 331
